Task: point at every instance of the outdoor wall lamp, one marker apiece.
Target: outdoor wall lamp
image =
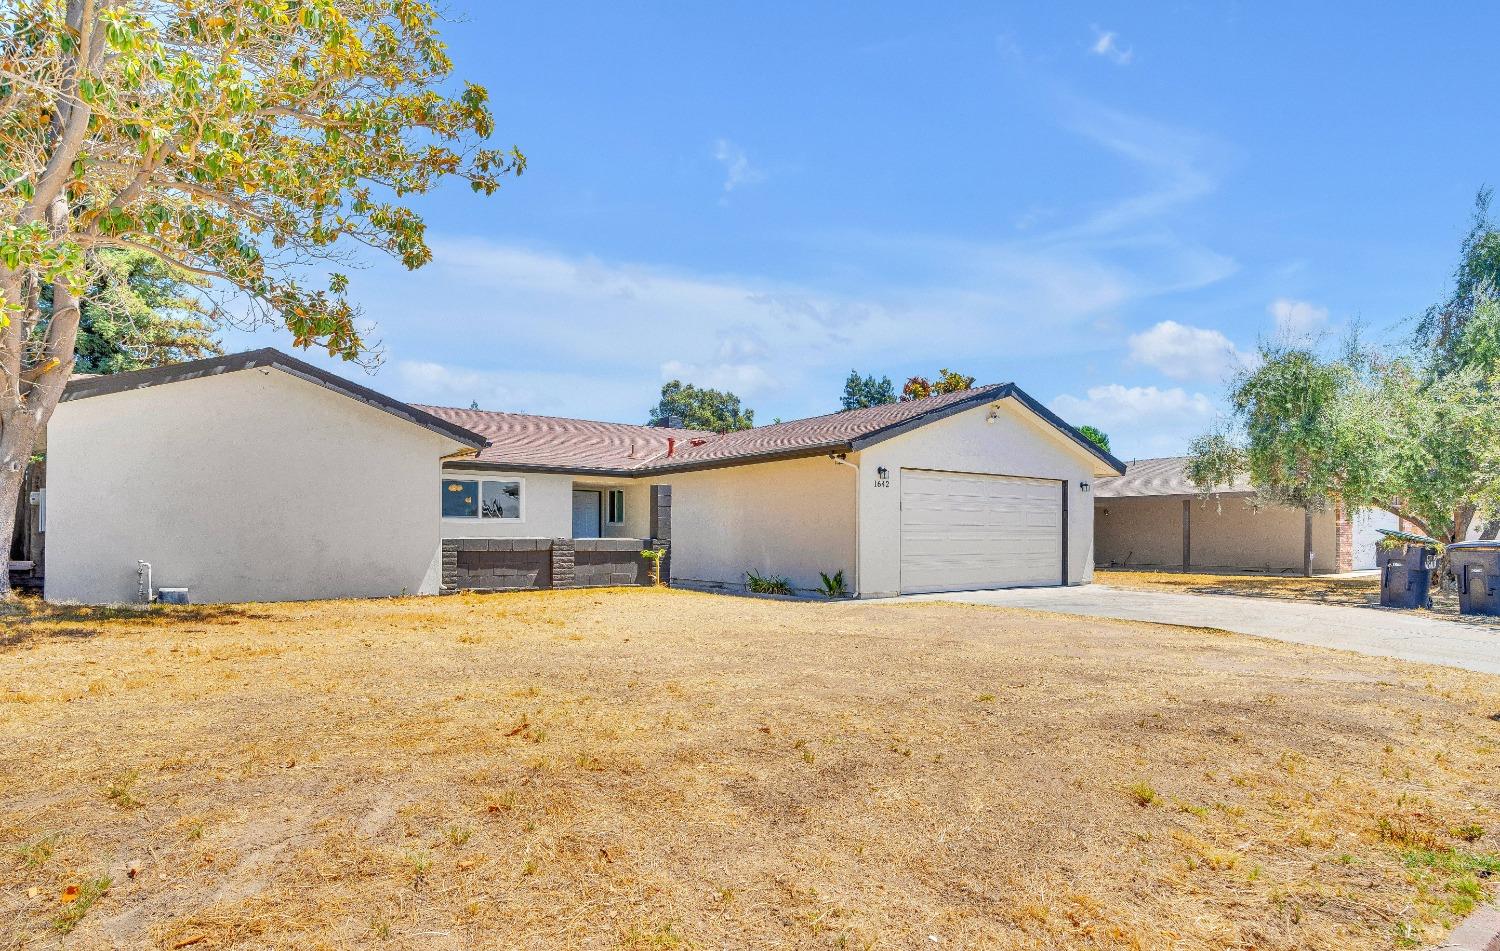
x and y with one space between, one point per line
1083 486
882 473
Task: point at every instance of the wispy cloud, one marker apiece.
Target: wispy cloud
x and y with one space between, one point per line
1141 420
1107 44
1297 319
1187 353
738 171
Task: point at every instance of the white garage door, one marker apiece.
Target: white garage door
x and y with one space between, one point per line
962 531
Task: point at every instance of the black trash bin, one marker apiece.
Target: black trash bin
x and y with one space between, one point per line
1406 569
1476 565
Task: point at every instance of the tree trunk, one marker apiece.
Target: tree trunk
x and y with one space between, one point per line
17 439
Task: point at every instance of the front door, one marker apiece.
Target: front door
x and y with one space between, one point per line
586 512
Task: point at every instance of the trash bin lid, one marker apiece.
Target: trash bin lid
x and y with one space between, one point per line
1408 537
1476 545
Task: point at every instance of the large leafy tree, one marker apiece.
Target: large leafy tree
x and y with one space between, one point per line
700 408
861 392
1363 429
246 143
138 313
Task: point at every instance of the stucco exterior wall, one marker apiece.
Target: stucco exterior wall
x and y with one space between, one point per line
793 518
1015 444
546 506
245 486
1227 533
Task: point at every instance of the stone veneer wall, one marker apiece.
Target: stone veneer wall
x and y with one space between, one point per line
519 564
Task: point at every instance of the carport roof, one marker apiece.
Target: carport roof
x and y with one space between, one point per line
1167 476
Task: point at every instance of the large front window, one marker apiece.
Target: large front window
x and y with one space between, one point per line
481 498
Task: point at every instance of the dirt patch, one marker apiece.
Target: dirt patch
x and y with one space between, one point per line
656 769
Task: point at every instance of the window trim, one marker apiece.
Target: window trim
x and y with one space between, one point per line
478 515
611 510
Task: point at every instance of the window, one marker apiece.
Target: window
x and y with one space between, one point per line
615 510
481 498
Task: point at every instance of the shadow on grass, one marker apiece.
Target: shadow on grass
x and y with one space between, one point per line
29 618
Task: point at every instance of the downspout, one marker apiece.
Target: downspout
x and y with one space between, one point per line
843 460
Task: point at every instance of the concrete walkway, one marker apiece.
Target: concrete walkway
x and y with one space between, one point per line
1377 631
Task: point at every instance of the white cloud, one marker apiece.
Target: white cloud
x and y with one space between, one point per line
1141 421
1297 319
737 168
1107 44
1186 353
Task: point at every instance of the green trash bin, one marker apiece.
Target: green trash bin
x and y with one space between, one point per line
1406 569
1476 565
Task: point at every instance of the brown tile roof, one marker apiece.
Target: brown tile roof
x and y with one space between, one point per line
545 442
522 441
1157 477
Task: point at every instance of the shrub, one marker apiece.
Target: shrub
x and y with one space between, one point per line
767 584
833 585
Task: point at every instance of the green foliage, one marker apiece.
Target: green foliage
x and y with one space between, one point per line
240 141
861 392
948 381
1096 436
654 555
137 313
833 586
768 584
79 904
714 410
1441 328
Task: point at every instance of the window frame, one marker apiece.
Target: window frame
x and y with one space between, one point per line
614 514
479 481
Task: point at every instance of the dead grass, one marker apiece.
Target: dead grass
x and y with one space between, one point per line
658 769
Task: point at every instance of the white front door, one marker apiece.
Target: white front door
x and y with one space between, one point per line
586 509
962 531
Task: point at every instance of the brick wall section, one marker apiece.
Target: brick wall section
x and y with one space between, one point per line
518 564
449 584
661 513
1343 558
496 564
563 563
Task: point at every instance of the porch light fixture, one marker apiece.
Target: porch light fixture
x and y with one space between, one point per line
882 473
1083 486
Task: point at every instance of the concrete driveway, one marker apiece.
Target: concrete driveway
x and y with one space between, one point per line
1377 631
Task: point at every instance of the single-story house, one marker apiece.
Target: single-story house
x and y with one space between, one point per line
1154 517
257 476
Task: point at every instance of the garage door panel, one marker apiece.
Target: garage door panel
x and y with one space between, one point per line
978 531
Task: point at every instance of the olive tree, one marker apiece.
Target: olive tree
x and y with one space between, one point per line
247 143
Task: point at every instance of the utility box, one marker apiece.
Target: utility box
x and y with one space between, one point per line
1476 565
1406 563
172 595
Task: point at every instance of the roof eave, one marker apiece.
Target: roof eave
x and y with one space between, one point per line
104 385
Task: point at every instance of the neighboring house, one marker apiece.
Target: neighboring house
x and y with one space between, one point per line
1154 517
257 476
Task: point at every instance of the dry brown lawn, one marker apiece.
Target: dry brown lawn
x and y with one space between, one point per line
656 769
1326 590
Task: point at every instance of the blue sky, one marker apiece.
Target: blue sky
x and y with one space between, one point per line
1107 204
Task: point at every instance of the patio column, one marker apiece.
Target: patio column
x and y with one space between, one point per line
1187 533
1307 544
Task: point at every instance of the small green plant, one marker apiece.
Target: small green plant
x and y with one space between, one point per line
1468 833
654 555
767 584
35 854
457 834
121 790
833 585
79 900
1142 792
